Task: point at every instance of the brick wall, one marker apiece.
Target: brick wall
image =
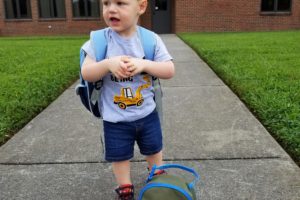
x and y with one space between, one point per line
1 17
37 26
187 16
225 15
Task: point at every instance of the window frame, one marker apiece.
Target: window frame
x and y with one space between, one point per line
86 11
52 17
18 16
275 9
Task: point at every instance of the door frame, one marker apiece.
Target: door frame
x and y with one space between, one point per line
172 15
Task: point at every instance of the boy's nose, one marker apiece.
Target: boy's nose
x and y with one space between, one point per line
112 8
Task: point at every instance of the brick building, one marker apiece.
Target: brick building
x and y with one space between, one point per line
57 17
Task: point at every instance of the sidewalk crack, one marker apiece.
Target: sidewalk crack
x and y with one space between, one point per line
138 161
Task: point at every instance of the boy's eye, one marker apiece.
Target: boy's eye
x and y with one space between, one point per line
105 3
121 3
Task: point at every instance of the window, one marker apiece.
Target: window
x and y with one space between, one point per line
52 8
276 5
85 8
17 9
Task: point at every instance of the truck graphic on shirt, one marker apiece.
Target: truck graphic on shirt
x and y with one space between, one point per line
126 98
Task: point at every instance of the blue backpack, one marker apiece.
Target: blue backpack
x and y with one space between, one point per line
89 91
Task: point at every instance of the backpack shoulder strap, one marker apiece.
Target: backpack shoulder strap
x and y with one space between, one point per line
99 42
148 41
82 55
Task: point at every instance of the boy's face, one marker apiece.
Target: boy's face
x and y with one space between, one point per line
122 15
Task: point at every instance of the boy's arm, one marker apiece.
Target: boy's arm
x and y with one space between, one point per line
163 70
93 71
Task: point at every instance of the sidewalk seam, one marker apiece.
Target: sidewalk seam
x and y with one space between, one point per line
138 161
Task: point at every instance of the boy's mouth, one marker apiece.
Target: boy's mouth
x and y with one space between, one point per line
114 19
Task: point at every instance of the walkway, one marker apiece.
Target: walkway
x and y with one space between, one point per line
58 154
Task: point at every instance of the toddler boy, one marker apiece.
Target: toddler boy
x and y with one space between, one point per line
127 75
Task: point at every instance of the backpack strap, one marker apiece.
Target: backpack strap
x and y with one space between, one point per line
90 91
99 43
148 41
149 44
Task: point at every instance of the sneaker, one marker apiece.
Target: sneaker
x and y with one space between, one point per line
125 192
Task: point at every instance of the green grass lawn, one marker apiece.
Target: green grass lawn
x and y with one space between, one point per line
263 69
34 72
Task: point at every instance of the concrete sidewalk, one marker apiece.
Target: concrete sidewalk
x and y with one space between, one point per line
58 154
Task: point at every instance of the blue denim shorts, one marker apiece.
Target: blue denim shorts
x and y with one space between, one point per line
119 138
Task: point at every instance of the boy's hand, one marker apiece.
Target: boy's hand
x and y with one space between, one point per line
135 66
118 66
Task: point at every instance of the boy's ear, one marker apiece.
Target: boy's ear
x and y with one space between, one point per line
143 6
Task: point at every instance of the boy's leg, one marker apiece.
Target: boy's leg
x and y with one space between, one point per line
125 190
119 147
150 140
122 172
154 159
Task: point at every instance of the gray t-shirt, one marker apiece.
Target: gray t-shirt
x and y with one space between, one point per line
127 99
